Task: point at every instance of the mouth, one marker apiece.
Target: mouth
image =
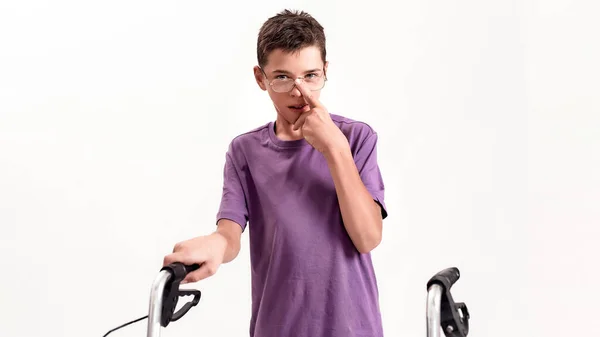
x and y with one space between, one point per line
299 108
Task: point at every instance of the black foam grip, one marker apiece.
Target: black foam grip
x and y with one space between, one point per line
191 268
446 277
180 270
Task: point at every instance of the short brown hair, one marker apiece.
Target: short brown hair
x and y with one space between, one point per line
290 31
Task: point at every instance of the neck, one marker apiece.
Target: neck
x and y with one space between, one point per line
284 130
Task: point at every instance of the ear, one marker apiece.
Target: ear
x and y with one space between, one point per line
260 78
325 67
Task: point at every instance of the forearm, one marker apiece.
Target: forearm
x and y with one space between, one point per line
227 230
360 213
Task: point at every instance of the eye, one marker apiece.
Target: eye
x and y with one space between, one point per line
280 77
311 76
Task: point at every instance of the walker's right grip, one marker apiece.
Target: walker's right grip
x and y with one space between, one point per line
191 268
171 292
446 278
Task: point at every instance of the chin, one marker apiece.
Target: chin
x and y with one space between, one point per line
285 116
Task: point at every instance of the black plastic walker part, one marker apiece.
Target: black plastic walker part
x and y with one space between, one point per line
172 293
454 316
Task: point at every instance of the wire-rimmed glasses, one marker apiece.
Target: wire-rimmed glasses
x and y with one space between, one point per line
284 83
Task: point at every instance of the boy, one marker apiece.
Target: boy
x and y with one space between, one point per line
309 187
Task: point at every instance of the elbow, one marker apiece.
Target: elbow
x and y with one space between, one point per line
370 242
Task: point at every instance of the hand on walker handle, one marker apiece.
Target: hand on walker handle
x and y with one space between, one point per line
207 251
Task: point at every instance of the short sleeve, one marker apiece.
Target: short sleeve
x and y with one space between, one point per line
233 201
368 168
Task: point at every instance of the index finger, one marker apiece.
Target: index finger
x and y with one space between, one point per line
307 94
181 257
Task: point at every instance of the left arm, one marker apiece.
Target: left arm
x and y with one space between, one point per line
361 214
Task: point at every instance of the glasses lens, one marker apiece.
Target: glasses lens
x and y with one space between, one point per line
314 83
282 85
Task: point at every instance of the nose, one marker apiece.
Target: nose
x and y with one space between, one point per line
295 92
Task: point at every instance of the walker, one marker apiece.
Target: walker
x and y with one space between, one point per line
442 313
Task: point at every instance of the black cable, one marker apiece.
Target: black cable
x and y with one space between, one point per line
126 324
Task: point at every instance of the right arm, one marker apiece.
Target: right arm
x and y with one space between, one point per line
209 251
232 232
223 245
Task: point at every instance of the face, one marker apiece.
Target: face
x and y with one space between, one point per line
281 70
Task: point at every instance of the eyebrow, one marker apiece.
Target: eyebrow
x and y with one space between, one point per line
287 72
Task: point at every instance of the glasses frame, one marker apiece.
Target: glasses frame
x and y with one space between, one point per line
270 82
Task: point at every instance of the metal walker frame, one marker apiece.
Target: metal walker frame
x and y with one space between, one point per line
443 314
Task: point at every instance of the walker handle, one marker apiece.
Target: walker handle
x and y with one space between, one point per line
453 317
446 278
171 293
191 268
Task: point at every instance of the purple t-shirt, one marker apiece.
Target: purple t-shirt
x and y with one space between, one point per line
308 279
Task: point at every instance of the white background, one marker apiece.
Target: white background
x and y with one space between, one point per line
115 117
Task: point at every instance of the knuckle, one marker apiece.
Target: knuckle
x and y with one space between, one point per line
167 260
211 269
